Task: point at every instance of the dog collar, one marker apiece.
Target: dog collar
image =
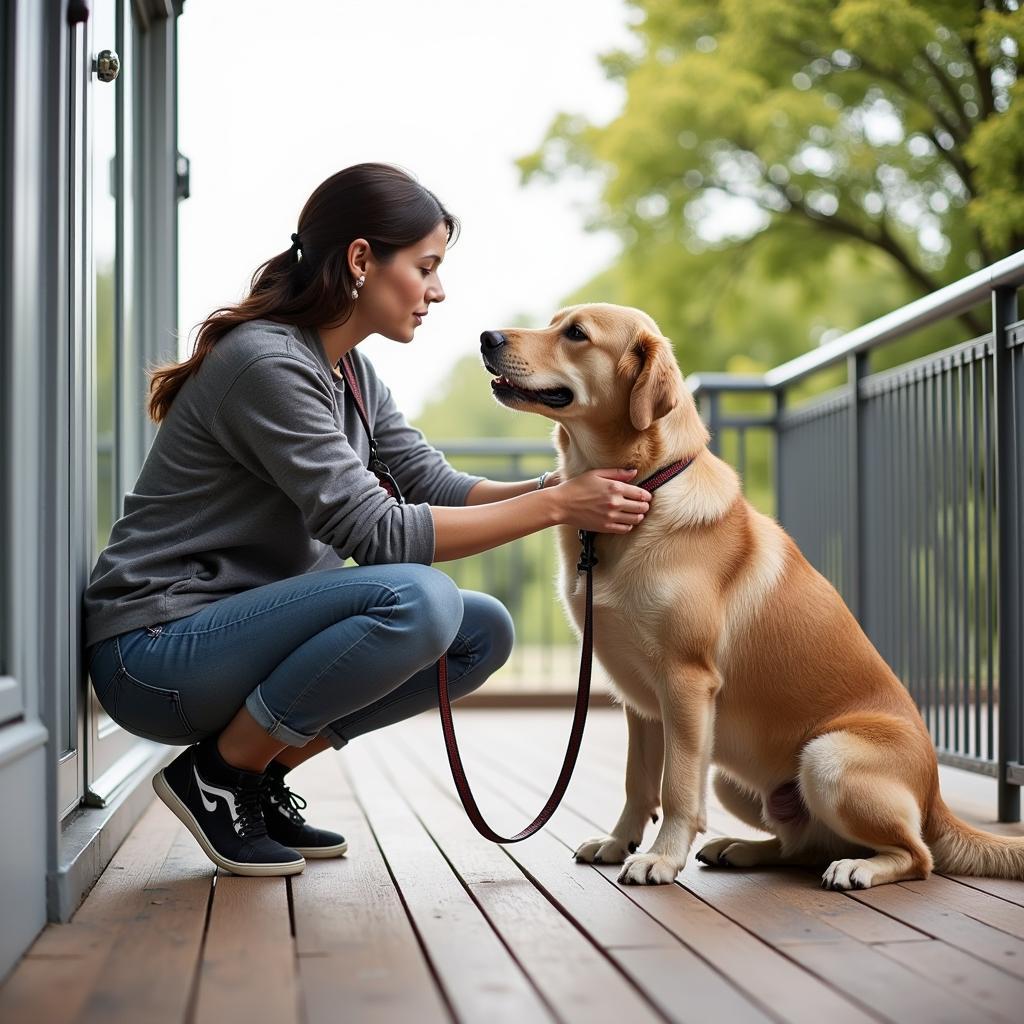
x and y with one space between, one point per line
588 559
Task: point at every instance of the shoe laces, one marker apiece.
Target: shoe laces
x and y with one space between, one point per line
250 823
281 796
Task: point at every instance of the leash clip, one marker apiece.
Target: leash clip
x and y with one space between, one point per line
588 559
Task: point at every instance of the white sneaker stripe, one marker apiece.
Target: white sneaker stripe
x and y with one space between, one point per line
205 789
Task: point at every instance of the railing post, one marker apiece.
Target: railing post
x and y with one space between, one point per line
1008 511
856 570
780 407
714 423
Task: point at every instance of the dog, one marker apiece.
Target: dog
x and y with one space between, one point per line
724 645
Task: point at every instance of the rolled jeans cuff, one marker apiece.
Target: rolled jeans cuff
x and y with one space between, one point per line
266 719
333 737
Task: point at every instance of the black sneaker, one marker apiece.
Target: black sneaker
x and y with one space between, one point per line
285 824
220 805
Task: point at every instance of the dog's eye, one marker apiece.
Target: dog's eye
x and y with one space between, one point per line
576 333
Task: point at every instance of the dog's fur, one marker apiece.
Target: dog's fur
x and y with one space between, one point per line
727 647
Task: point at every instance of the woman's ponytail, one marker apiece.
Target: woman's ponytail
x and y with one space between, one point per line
309 284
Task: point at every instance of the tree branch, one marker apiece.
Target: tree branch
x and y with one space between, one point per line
905 88
956 161
850 229
947 88
983 76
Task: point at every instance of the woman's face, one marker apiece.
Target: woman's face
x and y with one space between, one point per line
397 295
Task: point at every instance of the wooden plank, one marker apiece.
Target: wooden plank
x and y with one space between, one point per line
782 904
786 930
943 922
979 905
55 980
891 986
576 980
962 975
888 987
1009 889
801 888
971 796
149 971
616 925
248 967
480 978
789 903
763 975
358 955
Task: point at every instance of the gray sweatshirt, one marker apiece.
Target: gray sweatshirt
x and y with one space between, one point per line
258 473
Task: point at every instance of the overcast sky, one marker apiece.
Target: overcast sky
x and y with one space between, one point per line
275 97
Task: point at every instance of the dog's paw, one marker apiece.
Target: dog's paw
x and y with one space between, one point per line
604 850
714 853
852 873
649 869
734 853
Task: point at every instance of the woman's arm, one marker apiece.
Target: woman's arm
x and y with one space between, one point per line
487 491
469 529
601 500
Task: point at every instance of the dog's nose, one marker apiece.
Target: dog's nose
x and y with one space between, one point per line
491 340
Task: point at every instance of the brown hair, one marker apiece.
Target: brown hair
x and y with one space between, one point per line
379 202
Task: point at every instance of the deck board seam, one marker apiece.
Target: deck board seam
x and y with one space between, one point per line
604 950
552 899
481 752
429 960
375 753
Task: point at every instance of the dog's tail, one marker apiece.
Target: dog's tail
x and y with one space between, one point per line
960 849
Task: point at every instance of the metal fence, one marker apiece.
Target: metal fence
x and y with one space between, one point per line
523 574
905 488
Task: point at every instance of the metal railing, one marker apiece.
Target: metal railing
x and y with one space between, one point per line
905 488
522 575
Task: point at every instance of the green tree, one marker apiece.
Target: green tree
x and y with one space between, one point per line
879 145
465 409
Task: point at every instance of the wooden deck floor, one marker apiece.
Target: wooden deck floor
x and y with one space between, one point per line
425 921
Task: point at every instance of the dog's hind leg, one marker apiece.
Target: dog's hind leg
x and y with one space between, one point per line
850 784
749 808
739 801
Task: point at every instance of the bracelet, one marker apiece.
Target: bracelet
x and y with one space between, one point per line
541 479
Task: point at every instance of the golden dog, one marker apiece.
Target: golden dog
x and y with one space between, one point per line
724 644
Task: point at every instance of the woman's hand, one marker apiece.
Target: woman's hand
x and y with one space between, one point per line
602 500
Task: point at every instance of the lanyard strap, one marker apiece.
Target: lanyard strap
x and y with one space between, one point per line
588 559
375 466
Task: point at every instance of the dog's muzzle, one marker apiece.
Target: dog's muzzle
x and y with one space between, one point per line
505 390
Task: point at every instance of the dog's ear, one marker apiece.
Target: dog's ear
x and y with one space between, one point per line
656 379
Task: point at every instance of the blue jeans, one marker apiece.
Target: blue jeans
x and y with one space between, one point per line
334 653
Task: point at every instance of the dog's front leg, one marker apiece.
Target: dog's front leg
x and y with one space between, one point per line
688 710
644 758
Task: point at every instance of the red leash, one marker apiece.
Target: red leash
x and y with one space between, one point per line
586 564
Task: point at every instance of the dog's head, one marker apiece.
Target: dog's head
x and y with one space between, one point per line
596 362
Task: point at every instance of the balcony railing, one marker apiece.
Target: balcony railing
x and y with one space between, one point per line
523 575
905 488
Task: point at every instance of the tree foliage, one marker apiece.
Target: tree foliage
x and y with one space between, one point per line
877 145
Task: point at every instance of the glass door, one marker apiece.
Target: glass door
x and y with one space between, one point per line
102 283
70 716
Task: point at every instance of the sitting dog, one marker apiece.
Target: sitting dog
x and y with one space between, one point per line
724 644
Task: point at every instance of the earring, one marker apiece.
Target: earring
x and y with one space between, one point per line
359 284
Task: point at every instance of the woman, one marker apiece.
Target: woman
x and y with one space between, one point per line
220 616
